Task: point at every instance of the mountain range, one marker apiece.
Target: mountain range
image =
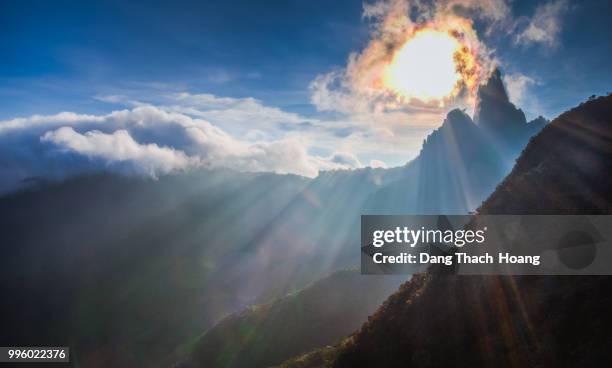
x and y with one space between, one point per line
131 271
462 161
506 321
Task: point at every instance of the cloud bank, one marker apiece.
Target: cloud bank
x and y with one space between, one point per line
150 140
119 146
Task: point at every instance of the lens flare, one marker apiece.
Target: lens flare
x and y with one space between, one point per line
425 67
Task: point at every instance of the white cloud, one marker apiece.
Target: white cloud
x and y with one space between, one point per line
160 133
149 140
545 25
47 120
111 98
287 156
520 91
227 110
517 86
328 93
119 146
362 132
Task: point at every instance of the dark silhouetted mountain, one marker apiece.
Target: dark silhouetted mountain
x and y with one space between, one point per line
457 167
320 314
438 320
461 162
566 169
501 121
494 111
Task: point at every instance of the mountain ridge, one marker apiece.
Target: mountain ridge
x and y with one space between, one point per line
466 321
462 160
315 316
476 167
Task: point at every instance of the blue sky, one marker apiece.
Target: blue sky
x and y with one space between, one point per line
56 55
59 54
92 58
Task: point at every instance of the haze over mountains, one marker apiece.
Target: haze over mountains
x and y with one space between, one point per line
318 315
133 270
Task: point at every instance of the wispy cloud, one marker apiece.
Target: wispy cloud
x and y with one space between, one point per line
520 90
544 27
366 134
517 86
119 146
227 110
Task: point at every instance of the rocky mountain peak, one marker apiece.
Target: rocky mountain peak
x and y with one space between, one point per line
503 122
494 88
457 117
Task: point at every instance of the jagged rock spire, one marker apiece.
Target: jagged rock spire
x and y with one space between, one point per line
494 88
496 115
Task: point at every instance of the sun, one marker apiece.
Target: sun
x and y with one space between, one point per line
425 67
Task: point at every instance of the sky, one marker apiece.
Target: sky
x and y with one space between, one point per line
285 86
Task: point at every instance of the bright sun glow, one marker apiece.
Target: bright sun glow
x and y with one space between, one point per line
424 67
